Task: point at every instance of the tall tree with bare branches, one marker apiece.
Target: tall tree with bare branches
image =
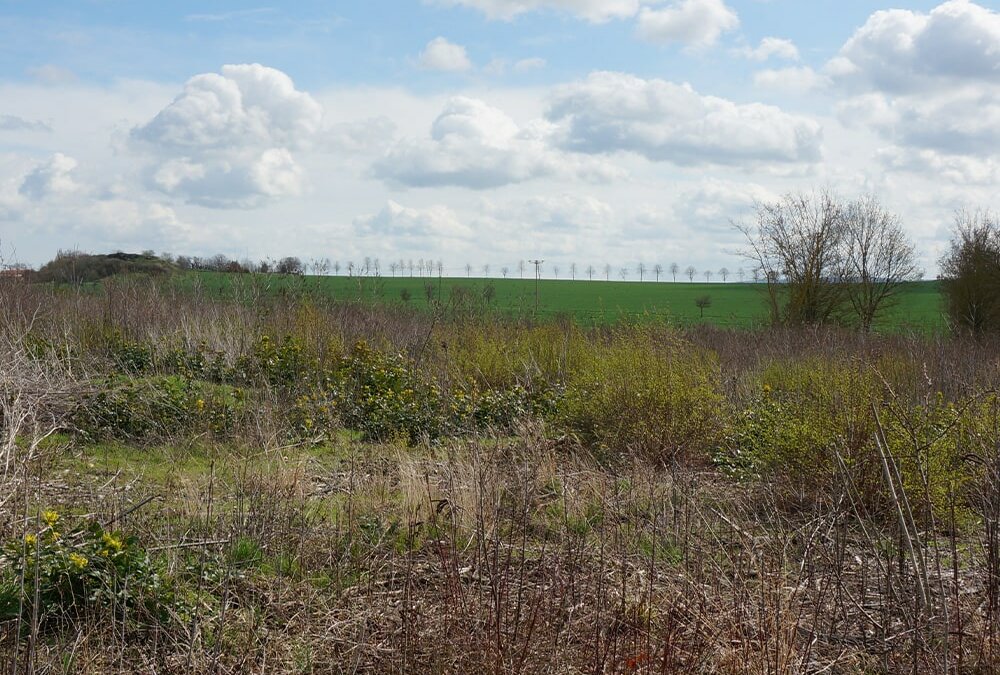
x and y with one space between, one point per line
800 238
879 259
970 271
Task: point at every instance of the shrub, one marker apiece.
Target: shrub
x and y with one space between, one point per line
803 414
157 407
82 568
382 396
656 397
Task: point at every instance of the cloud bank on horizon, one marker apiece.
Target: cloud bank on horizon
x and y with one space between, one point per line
487 131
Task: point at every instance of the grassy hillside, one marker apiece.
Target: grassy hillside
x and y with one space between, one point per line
589 302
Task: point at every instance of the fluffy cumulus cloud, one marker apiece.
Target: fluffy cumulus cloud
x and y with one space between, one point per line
475 145
663 121
228 139
440 54
929 83
697 23
51 179
901 51
398 221
591 10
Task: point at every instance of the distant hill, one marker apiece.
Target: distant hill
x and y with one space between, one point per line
77 268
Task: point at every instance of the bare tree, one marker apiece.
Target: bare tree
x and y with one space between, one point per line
555 271
658 270
572 271
520 268
392 268
607 271
336 267
800 238
674 269
724 273
641 269
590 272
970 271
486 270
504 271
879 258
741 274
708 275
623 273
690 272
468 269
702 302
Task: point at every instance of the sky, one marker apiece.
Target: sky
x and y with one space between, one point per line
484 132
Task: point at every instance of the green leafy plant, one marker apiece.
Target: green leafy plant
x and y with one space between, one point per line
84 567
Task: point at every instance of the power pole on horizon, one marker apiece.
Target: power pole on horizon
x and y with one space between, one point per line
538 266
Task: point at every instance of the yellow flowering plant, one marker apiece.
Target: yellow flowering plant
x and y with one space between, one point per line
84 566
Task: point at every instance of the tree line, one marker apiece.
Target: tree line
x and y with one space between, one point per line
821 260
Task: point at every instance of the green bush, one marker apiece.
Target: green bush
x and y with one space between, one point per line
655 395
383 396
83 568
158 407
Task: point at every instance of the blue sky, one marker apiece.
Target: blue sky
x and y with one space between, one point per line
483 131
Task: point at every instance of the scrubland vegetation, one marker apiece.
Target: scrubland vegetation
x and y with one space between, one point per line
264 483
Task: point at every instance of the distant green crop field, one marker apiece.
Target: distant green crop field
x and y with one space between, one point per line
588 302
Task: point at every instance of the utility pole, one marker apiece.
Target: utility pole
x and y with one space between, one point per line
538 267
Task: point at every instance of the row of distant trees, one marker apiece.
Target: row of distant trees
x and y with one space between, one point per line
422 268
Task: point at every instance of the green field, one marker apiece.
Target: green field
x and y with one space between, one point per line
588 302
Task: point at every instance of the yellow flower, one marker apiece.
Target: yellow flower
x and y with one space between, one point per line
200 404
30 539
767 389
112 543
77 560
50 518
53 535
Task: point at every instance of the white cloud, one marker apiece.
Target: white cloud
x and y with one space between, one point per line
373 134
961 170
669 122
440 54
929 84
713 203
476 145
900 51
801 79
563 212
246 105
396 220
51 179
227 139
592 10
697 23
771 47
